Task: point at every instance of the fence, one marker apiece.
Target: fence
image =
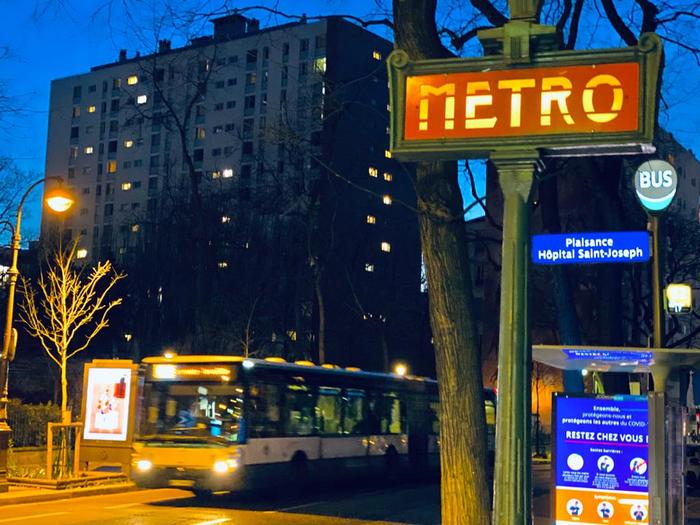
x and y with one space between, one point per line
29 422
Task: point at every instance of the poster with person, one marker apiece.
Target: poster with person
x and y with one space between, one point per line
108 392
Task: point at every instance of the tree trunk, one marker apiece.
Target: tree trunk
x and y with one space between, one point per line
464 497
567 319
64 388
464 487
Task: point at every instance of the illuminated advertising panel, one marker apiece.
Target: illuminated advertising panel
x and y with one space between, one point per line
107 404
559 100
600 459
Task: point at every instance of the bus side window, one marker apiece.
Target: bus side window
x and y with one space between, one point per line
328 410
394 417
354 412
265 418
299 411
435 416
386 414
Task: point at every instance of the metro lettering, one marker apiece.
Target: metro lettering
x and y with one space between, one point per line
574 99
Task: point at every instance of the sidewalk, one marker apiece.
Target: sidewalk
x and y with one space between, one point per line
18 494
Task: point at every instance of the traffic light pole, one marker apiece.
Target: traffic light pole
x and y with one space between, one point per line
512 483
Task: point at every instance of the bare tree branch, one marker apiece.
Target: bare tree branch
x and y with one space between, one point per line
493 15
69 302
618 24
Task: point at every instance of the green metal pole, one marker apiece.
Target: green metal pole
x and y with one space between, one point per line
661 371
657 283
512 485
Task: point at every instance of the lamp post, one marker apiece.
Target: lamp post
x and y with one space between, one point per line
59 201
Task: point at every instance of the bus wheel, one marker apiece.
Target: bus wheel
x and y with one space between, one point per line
202 493
391 461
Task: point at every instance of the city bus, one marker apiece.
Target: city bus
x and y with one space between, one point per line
227 423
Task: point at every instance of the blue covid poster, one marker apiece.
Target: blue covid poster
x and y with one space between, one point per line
600 459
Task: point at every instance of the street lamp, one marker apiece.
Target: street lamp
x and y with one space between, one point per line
59 201
400 369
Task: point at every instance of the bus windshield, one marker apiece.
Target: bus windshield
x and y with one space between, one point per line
192 411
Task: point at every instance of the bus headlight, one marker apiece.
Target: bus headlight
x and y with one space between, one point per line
224 466
221 467
144 465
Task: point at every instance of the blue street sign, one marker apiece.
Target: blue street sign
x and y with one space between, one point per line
590 248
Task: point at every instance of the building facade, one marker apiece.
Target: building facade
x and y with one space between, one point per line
273 144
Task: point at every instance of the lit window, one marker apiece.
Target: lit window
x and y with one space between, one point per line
387 153
388 177
142 99
228 173
386 247
320 65
135 228
112 166
132 80
371 219
128 143
225 219
292 334
89 150
223 264
81 253
387 200
376 55
369 267
201 133
126 186
373 172
92 109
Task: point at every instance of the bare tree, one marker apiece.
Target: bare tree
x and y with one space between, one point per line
67 310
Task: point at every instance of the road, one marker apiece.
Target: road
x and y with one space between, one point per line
415 504
407 503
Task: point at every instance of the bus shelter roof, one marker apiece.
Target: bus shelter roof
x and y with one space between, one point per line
613 358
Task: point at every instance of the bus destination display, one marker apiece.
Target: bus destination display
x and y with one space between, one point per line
600 459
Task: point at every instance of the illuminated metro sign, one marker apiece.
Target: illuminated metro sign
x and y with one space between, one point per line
534 101
564 103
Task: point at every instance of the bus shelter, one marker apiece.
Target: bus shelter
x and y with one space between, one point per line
601 431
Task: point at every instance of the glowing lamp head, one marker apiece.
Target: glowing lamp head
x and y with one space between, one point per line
584 372
59 200
400 369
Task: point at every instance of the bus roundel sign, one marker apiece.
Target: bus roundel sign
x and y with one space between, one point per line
655 182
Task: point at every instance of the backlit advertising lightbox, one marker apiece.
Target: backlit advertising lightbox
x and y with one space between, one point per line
600 459
107 404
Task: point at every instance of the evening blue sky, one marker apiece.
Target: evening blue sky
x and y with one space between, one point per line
49 39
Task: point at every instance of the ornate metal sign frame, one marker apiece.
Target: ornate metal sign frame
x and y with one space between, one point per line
647 54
